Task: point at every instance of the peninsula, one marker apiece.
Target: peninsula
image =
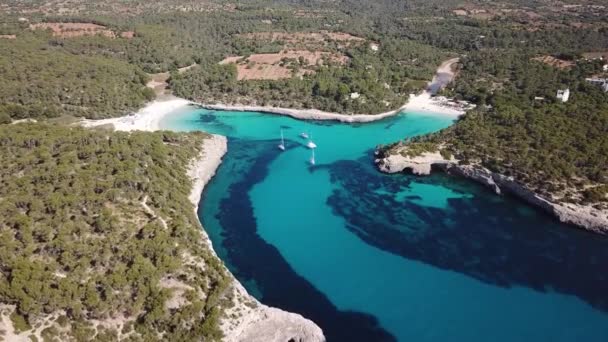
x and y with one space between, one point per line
134 226
522 139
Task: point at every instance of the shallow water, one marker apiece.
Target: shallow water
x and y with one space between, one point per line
375 257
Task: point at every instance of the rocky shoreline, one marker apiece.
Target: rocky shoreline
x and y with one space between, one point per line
303 114
248 319
583 216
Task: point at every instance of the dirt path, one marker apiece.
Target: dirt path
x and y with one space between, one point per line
152 213
158 82
445 74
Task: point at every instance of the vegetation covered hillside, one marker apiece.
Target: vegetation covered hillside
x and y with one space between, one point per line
370 82
41 80
377 52
98 239
157 38
559 150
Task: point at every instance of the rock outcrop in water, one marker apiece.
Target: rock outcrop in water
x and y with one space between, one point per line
583 216
248 319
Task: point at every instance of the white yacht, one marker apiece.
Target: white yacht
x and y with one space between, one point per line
312 158
282 144
311 144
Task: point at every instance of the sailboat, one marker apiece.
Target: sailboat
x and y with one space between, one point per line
282 144
312 158
304 135
311 144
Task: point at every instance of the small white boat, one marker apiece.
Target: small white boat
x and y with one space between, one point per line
304 135
312 158
311 144
282 144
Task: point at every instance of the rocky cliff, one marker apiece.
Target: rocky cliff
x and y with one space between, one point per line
584 216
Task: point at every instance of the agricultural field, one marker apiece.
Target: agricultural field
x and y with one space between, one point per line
299 53
71 30
285 64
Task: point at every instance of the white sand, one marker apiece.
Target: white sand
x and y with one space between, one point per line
426 104
149 117
146 119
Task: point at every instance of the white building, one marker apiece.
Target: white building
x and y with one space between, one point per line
354 95
374 47
600 82
563 95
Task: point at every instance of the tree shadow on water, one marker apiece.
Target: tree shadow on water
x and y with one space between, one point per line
252 258
494 239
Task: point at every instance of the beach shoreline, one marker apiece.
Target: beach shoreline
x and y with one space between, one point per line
421 103
149 117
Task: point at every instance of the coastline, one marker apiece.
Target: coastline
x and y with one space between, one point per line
147 118
254 321
421 103
581 216
247 319
150 116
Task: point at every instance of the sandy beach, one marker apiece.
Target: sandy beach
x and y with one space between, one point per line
149 117
425 103
146 119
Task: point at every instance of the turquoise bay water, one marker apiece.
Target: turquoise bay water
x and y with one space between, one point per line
373 257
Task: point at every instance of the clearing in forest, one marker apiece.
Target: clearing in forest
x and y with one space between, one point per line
307 40
285 64
300 54
70 30
555 62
